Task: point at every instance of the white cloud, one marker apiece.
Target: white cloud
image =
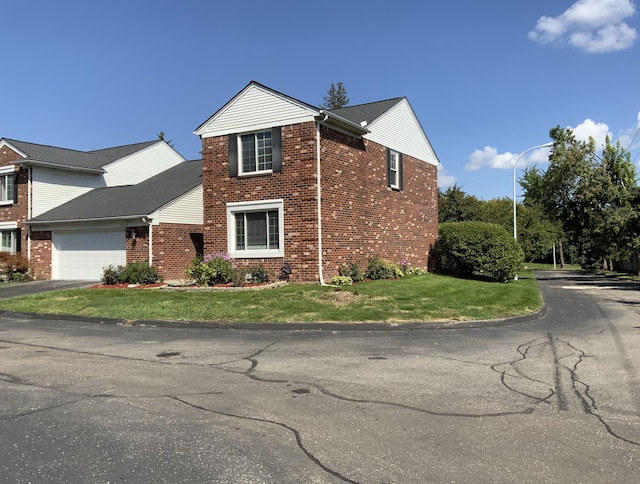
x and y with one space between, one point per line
589 128
489 157
594 26
445 180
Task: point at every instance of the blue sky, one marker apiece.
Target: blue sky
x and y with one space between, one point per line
487 80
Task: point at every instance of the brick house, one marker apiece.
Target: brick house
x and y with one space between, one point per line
73 212
287 182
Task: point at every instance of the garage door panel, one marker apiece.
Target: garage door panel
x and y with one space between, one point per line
83 255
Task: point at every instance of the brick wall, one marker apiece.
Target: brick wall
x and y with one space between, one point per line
174 246
361 216
296 185
16 212
41 248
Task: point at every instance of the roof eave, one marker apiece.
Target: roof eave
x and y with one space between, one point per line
331 119
58 166
97 219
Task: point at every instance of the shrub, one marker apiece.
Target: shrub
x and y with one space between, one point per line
15 266
379 268
464 248
132 273
140 273
112 274
258 275
212 269
352 270
415 271
342 281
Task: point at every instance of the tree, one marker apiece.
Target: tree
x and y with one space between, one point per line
589 196
336 97
161 136
454 205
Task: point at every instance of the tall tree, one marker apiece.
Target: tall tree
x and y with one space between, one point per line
591 196
336 97
454 205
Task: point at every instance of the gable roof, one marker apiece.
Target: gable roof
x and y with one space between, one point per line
56 157
257 106
129 201
367 113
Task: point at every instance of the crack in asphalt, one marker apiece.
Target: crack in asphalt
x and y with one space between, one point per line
580 389
295 432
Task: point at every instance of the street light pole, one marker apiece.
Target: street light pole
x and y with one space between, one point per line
515 165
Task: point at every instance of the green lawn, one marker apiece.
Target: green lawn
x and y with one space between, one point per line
410 299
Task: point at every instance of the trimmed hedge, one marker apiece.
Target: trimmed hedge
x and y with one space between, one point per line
465 248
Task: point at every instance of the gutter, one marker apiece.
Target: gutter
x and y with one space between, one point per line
50 222
57 166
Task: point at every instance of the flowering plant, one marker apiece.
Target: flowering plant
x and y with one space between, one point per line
212 269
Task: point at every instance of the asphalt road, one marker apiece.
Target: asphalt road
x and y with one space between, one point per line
553 399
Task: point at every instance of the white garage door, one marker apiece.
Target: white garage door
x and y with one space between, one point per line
83 255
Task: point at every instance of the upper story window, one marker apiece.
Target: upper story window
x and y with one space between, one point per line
394 169
255 153
7 185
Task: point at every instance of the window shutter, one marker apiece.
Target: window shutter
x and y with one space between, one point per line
400 172
15 186
18 240
276 149
233 155
388 167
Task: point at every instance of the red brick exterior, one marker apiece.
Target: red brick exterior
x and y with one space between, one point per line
174 247
16 212
41 249
361 216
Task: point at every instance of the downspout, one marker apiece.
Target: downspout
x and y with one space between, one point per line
29 180
149 221
319 197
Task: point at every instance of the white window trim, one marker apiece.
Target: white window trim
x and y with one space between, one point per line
395 155
13 228
241 171
7 171
255 206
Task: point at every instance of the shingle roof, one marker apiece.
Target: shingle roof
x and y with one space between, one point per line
130 200
74 158
366 112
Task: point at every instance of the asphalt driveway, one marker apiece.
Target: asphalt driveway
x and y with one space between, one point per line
9 290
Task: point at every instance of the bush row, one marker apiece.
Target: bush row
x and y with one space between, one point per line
132 273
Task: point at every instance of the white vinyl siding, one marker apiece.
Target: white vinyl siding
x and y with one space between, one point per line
52 188
141 165
83 255
400 130
184 210
255 109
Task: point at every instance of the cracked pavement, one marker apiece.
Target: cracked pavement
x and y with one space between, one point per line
555 399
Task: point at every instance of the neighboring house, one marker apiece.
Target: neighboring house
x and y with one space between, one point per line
34 179
287 182
158 220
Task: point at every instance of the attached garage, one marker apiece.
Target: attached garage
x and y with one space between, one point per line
83 255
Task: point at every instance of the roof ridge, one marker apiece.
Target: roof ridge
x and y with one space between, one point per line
49 146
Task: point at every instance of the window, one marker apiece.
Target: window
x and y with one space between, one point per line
8 241
255 229
394 169
7 180
10 236
255 153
